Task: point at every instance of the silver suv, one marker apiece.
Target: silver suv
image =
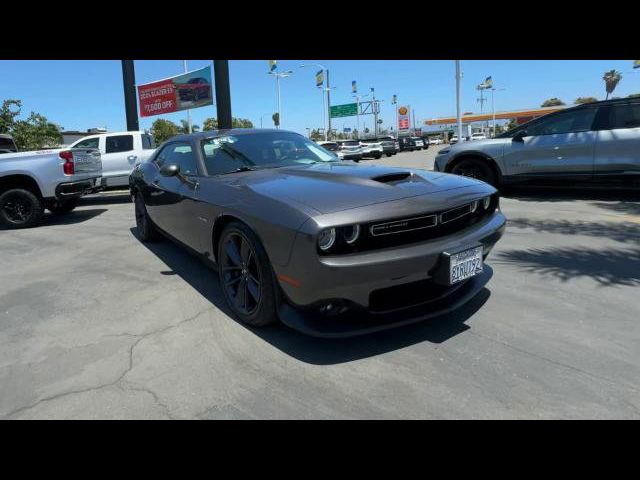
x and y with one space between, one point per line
596 142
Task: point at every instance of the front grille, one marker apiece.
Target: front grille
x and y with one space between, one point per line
416 229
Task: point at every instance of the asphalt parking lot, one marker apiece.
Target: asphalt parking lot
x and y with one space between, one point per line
95 324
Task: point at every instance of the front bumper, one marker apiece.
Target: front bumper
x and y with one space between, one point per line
361 322
354 278
79 188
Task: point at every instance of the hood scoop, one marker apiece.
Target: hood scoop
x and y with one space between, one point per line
397 177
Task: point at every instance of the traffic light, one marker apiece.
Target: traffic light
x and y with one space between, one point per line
276 119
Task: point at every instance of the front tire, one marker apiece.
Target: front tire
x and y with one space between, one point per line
246 276
476 169
20 208
147 231
61 207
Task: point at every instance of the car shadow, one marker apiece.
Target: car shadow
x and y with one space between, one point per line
561 194
625 232
200 275
71 218
608 267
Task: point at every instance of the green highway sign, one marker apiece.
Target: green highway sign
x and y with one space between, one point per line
346 110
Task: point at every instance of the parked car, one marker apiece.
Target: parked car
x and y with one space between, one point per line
419 144
425 141
7 144
597 142
193 90
332 147
388 145
53 179
350 149
371 148
407 143
331 248
478 136
120 153
453 140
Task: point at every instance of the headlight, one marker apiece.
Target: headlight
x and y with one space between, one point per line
326 239
351 234
474 206
486 202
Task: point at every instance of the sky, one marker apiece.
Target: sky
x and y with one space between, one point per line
82 94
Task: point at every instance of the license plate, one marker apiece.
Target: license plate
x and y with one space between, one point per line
465 264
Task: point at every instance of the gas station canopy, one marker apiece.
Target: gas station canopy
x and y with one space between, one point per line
521 116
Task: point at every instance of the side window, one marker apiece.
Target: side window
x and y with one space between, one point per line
624 116
119 143
88 143
565 122
147 142
181 154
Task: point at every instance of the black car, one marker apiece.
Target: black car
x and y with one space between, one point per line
388 145
425 139
407 144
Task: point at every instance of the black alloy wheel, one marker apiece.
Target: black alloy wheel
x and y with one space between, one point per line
246 276
475 169
20 208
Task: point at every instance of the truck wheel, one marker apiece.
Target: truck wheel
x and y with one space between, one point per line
20 208
389 154
246 276
60 207
146 229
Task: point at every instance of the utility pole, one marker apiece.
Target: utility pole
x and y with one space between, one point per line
184 64
223 93
278 77
375 112
129 85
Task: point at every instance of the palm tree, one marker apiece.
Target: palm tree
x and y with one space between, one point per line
611 79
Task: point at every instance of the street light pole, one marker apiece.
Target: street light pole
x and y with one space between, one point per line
458 117
278 105
493 109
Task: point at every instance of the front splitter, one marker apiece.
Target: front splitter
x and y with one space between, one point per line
361 323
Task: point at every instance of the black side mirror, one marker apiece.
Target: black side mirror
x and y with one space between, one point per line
169 170
519 137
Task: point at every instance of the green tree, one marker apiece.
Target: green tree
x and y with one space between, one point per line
163 130
552 102
184 127
316 135
212 123
512 124
581 100
9 111
35 132
611 80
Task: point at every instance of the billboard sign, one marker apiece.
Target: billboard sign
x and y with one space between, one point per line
182 92
403 118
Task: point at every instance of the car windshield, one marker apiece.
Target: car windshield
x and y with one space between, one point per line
232 153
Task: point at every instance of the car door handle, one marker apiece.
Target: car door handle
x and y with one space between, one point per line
132 158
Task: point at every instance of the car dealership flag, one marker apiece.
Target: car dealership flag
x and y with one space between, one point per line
273 65
354 87
636 64
182 92
320 78
488 82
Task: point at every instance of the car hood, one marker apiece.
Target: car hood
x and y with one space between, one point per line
337 186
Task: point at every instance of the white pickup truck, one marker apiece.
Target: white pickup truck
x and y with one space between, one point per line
54 179
120 152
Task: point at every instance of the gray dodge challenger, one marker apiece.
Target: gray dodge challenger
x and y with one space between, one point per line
332 248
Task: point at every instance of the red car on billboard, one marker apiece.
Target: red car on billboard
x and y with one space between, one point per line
195 89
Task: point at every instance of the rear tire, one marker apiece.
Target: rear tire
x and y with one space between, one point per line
20 208
61 207
246 277
477 169
147 231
